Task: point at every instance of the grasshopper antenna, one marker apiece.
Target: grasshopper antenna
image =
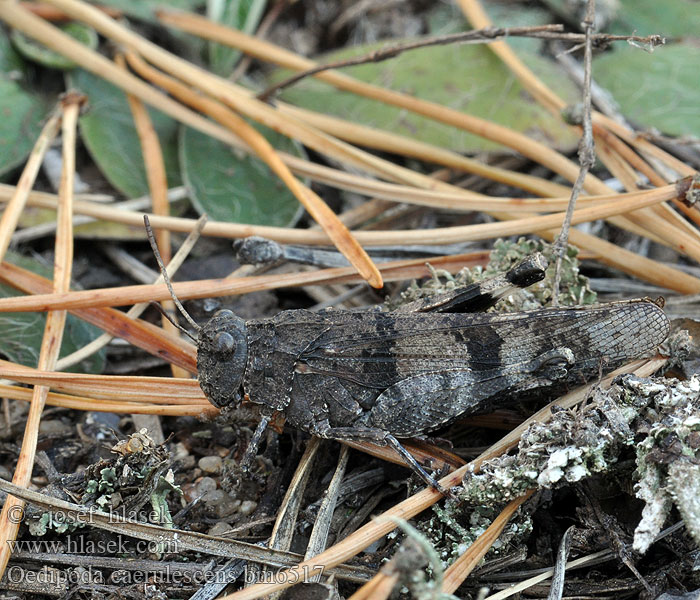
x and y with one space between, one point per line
164 312
164 273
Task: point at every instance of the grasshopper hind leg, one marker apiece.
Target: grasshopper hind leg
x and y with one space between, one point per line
381 438
415 465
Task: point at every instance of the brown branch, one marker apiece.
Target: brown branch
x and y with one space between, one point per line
586 149
474 36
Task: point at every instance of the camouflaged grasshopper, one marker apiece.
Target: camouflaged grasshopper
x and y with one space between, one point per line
382 376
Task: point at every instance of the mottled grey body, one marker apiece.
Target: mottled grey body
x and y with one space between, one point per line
380 376
409 374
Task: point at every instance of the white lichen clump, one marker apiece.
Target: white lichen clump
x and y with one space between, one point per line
668 459
660 417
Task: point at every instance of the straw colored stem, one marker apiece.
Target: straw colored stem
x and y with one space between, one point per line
606 208
140 333
317 208
386 141
642 145
135 311
478 18
660 221
53 14
155 390
269 52
157 186
53 331
206 288
610 254
450 198
199 409
461 568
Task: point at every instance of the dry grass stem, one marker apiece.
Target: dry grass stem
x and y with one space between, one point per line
447 197
461 568
85 403
269 52
316 207
135 311
55 322
138 332
207 288
53 14
638 266
125 388
157 187
386 141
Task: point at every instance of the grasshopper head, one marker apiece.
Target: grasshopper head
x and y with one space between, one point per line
222 352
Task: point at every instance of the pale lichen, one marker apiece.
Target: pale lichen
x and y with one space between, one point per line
668 458
573 445
455 527
574 289
659 417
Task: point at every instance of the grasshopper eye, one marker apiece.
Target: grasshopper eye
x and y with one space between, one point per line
224 342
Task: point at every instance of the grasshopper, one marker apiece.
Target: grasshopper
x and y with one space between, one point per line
385 376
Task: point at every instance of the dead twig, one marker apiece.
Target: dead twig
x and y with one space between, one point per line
55 323
586 152
475 36
557 588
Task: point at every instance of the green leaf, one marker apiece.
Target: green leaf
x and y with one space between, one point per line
654 90
232 186
39 53
670 18
22 115
467 78
22 332
110 135
11 63
512 15
243 15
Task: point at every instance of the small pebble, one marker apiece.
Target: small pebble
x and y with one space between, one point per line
54 428
189 491
205 484
180 451
214 497
220 528
247 507
210 464
220 503
187 463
